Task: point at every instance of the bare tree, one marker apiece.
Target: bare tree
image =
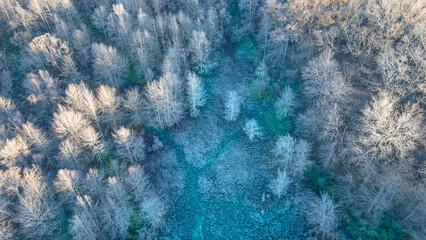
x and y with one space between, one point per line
119 26
7 8
285 104
284 150
328 38
22 18
321 214
71 154
134 103
265 26
174 60
68 122
414 209
262 78
232 106
281 37
330 135
377 195
36 138
117 210
15 151
138 182
147 53
387 134
252 129
109 104
174 32
48 52
323 80
95 183
145 21
9 181
196 94
68 184
129 145
291 155
108 64
91 139
163 100
43 10
62 29
7 109
37 213
160 29
186 25
393 18
301 158
42 87
213 29
153 210
135 6
100 19
192 4
200 50
81 98
80 43
398 74
85 223
47 49
359 41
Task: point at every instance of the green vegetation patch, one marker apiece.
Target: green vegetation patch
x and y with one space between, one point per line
234 10
133 76
275 125
247 48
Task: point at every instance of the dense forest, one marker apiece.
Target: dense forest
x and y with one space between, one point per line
212 119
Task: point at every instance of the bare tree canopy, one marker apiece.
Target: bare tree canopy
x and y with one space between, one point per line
212 119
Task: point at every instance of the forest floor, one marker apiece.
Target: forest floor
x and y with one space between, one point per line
215 179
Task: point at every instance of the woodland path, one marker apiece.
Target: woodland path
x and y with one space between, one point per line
224 175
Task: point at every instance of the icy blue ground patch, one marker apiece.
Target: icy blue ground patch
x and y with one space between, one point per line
225 193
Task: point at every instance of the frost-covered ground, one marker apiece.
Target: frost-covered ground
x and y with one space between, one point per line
221 190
